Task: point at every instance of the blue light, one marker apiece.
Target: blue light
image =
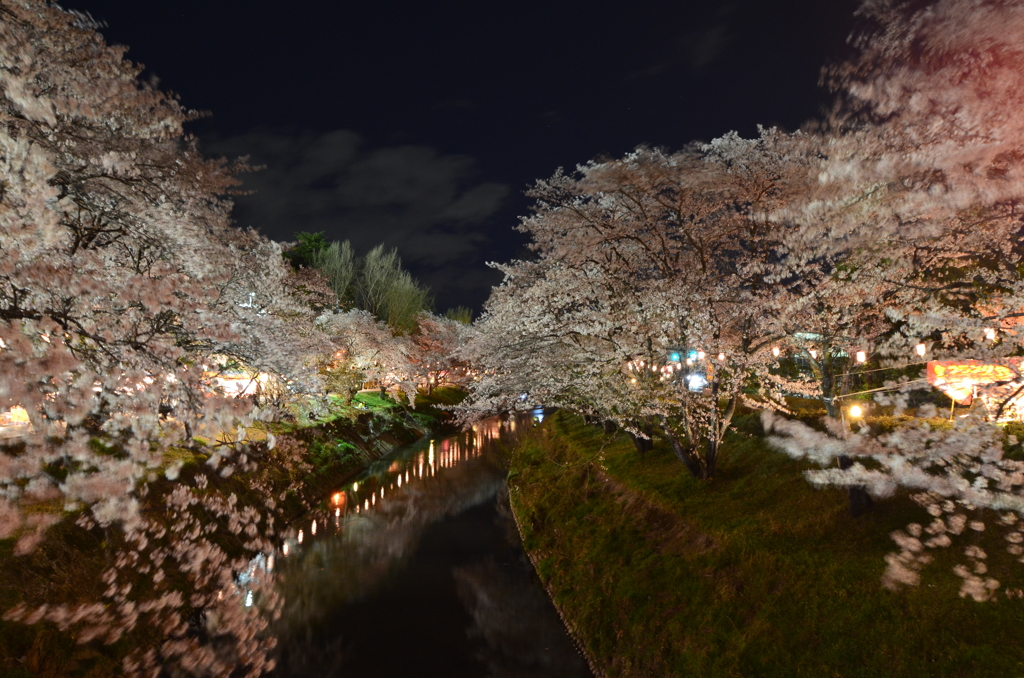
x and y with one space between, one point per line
674 357
692 354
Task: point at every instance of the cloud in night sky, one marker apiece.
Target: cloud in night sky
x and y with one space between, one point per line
433 207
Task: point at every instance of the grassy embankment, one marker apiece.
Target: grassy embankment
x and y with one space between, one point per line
752 574
66 567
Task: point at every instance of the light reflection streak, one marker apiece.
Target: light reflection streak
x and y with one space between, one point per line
396 476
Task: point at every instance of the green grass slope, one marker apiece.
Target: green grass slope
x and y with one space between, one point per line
752 574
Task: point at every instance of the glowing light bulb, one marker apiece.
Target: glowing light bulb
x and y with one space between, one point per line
920 349
312 528
856 411
814 354
721 357
285 548
248 598
700 355
300 536
775 351
990 334
862 357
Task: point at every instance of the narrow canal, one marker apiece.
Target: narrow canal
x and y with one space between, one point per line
416 569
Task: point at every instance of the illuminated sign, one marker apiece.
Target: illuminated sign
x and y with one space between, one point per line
958 378
968 372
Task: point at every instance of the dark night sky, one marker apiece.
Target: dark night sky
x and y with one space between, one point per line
420 124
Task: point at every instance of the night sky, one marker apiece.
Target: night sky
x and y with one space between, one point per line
421 124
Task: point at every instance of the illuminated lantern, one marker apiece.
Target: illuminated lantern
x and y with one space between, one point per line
862 357
775 351
921 348
856 411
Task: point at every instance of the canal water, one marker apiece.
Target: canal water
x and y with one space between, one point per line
416 569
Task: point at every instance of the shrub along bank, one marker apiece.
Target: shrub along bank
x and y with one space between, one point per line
754 573
308 462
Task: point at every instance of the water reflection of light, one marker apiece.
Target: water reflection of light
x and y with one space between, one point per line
300 536
270 562
399 481
248 598
284 549
337 513
355 487
366 505
312 528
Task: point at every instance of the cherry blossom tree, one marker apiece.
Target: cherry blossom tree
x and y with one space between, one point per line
436 345
119 275
639 260
919 196
369 346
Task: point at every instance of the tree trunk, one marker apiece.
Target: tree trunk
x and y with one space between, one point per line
642 444
860 500
710 459
690 460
